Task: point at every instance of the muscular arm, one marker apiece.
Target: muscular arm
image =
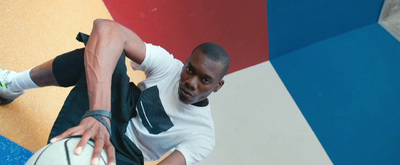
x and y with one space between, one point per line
107 41
102 52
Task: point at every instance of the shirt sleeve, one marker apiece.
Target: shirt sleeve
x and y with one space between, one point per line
197 148
157 63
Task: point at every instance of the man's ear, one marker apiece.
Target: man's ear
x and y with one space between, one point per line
220 84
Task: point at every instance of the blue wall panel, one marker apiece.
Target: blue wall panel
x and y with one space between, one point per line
348 89
293 24
12 153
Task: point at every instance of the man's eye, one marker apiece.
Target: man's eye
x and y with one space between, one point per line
189 70
206 80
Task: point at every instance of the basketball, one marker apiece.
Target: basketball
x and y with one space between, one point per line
62 153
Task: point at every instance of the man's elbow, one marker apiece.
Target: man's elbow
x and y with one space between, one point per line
102 22
104 26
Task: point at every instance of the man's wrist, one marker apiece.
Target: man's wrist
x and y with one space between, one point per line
103 116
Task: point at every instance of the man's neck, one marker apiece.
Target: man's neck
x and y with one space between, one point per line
201 103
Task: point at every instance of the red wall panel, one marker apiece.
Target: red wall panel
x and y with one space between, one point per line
180 25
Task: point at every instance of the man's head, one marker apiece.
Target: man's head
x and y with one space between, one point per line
203 73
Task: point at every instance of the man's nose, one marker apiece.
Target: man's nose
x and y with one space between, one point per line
192 83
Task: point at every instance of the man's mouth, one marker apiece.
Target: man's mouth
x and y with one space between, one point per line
185 93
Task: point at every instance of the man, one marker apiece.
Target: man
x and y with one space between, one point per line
168 110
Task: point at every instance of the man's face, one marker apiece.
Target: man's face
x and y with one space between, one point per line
200 76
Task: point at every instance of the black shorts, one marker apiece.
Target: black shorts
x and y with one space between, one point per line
68 70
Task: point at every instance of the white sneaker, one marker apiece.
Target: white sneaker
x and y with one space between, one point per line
7 96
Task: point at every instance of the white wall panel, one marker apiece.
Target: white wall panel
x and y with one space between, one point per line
258 122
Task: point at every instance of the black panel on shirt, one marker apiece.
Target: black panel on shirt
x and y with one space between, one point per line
152 112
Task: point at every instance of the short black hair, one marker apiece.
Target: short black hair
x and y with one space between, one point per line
215 53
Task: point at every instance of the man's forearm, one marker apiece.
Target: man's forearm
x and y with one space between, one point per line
102 52
106 43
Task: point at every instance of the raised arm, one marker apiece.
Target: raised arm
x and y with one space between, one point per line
106 42
102 52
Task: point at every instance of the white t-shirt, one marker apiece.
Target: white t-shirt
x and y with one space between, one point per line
164 122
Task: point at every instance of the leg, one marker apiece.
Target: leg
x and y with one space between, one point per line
43 75
65 70
68 68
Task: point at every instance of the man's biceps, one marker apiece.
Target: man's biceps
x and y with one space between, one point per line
134 47
175 157
135 51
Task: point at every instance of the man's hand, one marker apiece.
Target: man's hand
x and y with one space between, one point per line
90 128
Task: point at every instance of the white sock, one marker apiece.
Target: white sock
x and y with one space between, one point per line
21 81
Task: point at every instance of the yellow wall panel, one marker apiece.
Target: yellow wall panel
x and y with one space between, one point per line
32 32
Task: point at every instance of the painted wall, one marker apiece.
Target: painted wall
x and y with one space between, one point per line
32 32
347 89
180 25
342 71
327 96
258 122
294 24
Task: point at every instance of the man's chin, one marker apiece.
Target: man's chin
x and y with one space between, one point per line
184 100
